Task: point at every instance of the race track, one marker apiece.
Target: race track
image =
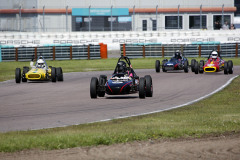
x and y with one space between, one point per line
37 105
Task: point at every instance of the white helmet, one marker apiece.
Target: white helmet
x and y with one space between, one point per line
214 54
40 63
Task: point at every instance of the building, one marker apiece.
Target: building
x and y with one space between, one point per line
114 15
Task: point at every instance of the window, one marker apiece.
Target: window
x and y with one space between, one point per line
194 22
217 21
144 25
154 25
171 22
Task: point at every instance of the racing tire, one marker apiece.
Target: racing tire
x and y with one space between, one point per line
25 70
149 86
196 67
193 64
94 87
142 85
225 67
230 67
102 81
18 75
186 67
59 74
157 66
163 62
201 65
53 74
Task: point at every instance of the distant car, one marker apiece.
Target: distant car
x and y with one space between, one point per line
39 72
123 81
214 63
177 62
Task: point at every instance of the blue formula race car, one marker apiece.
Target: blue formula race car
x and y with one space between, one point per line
177 62
123 81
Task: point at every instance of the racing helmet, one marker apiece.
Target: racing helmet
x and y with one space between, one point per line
214 54
40 63
121 67
177 54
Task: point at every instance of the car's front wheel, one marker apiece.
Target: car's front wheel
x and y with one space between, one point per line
193 64
230 67
142 85
53 74
225 67
93 87
18 75
149 86
102 81
59 74
186 66
157 66
196 67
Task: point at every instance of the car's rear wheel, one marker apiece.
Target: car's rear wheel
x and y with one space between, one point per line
102 81
201 65
193 64
142 85
230 67
157 66
149 86
53 74
59 74
196 67
94 87
186 66
225 67
18 75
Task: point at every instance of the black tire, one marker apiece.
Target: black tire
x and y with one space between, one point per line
53 74
186 66
25 70
163 62
102 81
196 67
201 65
18 75
149 86
230 67
193 64
157 66
142 85
93 87
225 67
59 74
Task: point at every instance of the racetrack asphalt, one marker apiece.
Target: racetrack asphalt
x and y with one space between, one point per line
37 105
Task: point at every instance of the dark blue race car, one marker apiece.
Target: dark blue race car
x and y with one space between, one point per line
177 62
123 81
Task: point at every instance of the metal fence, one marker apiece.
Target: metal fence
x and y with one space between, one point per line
9 53
188 50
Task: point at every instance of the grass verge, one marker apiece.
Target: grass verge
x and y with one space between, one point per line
7 69
217 114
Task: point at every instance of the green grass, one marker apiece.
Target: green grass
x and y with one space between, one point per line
215 115
7 69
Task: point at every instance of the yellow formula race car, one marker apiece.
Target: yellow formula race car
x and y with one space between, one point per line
39 72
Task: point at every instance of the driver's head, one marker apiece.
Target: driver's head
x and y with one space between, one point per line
40 63
177 54
214 54
121 66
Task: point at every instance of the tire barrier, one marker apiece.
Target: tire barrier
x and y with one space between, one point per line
53 52
199 49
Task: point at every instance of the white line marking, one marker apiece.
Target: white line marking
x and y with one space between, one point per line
181 105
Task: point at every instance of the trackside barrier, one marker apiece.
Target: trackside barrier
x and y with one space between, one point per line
53 52
198 49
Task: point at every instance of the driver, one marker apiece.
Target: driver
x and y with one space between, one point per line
121 67
39 64
177 55
214 56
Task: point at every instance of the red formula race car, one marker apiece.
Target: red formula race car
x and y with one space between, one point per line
214 64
